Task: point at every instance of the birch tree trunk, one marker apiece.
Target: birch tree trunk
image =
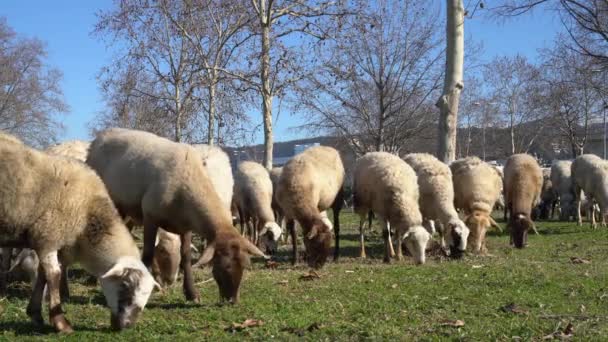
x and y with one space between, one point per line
178 114
266 91
211 129
453 84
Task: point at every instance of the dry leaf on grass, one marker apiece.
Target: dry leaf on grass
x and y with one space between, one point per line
561 335
577 260
283 282
312 275
513 308
453 323
248 323
477 266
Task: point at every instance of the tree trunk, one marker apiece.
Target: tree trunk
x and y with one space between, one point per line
512 133
453 84
266 93
211 128
178 115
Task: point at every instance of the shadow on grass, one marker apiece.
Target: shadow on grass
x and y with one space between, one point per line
26 328
172 306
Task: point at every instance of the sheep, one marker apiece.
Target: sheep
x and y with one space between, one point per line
57 205
253 199
165 264
164 184
311 182
387 186
477 187
437 200
590 174
72 149
275 175
522 186
548 197
561 179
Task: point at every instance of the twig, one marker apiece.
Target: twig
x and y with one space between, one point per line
204 281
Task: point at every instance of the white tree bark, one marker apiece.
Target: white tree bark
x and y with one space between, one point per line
266 21
453 85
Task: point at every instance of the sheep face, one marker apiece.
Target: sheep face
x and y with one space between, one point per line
456 235
318 243
229 256
269 237
127 287
416 240
519 227
478 224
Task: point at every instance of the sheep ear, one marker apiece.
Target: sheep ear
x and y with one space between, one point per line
116 271
494 224
313 232
207 254
252 249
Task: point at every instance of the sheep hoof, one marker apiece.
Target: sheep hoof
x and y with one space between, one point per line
62 325
194 297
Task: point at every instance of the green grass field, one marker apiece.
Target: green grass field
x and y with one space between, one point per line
366 299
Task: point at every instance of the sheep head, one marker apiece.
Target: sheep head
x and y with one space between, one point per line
269 237
478 223
229 256
456 235
416 240
127 287
519 225
317 240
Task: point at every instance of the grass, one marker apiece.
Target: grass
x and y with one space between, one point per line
366 299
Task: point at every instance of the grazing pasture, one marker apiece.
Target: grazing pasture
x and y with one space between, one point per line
558 286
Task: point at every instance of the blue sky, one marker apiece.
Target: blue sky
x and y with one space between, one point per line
65 26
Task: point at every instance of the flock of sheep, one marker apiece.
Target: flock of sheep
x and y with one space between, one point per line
78 202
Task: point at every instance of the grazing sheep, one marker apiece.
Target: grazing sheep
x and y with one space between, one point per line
165 265
275 175
590 174
387 186
164 184
253 199
548 197
523 184
437 200
59 206
561 179
311 183
477 187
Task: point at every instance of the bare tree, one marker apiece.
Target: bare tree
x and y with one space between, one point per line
586 22
375 80
453 84
514 86
30 94
572 94
156 47
276 21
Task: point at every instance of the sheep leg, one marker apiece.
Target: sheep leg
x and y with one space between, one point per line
65 290
577 194
7 253
291 227
250 231
591 213
336 207
362 237
389 252
34 307
241 221
400 246
150 231
186 266
52 272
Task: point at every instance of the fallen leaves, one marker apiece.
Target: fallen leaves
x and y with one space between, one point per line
476 266
271 264
283 282
577 260
248 323
514 308
561 335
312 275
457 323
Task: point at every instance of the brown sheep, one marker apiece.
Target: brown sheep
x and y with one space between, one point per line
523 184
311 183
164 184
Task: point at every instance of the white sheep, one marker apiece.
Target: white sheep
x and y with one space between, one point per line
477 187
386 185
590 174
437 200
57 205
275 175
253 199
311 182
561 179
164 184
72 149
